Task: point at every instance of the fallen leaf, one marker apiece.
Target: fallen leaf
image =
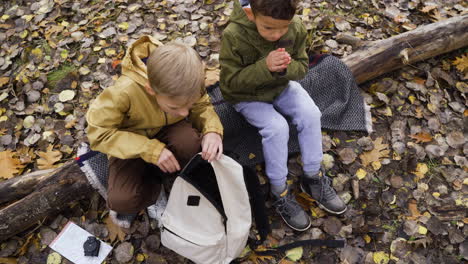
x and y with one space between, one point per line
413 208
48 158
257 259
422 137
380 257
114 230
421 170
54 258
8 260
361 174
379 152
422 230
9 164
367 238
461 63
116 63
66 95
3 81
295 254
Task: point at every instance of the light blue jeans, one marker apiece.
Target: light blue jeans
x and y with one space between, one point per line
295 103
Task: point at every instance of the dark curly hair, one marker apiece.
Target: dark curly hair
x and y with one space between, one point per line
277 9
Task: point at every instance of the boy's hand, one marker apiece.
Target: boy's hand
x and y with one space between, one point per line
167 162
212 146
278 60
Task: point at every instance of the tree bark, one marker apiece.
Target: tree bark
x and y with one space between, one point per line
68 184
383 56
53 192
18 187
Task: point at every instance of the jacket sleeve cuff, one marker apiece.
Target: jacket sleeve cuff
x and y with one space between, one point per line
213 129
153 151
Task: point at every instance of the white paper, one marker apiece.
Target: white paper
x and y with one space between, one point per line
69 243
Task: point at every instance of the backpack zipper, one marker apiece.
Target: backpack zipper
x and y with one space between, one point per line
165 228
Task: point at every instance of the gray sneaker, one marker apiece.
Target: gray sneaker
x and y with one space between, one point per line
320 190
291 212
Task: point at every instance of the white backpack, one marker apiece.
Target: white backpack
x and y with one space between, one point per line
208 214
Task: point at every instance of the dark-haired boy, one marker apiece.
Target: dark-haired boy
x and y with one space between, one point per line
263 52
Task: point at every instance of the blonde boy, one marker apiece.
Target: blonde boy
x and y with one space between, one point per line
154 118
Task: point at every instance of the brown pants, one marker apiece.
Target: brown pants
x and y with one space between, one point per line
135 184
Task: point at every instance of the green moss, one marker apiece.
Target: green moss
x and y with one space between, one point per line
56 75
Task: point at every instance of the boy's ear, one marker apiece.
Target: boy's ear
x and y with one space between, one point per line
149 89
249 13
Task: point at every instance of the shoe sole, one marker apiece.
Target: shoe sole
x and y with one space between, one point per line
295 228
323 207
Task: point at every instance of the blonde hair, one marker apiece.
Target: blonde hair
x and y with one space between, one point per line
176 70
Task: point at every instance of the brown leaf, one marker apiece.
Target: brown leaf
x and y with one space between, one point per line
114 230
9 164
422 137
413 208
8 260
428 8
116 63
48 158
379 152
256 259
461 63
3 81
211 77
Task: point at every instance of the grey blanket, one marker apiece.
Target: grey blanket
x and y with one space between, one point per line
331 85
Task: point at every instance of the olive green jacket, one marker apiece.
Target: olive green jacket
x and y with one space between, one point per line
124 118
244 73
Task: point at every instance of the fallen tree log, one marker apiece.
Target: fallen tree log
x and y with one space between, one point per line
383 56
67 184
19 187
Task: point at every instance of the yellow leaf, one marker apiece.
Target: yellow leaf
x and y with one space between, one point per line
421 170
436 194
306 11
64 54
367 238
295 254
422 230
251 156
54 258
9 164
140 257
379 152
376 165
361 174
3 81
412 98
114 230
24 34
48 158
123 26
380 257
461 63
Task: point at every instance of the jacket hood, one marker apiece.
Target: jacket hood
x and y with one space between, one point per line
134 62
238 15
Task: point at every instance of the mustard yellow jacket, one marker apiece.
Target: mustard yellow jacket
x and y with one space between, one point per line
124 118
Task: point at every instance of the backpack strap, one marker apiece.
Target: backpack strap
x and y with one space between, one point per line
332 243
257 202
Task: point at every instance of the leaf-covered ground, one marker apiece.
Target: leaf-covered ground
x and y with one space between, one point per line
406 184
